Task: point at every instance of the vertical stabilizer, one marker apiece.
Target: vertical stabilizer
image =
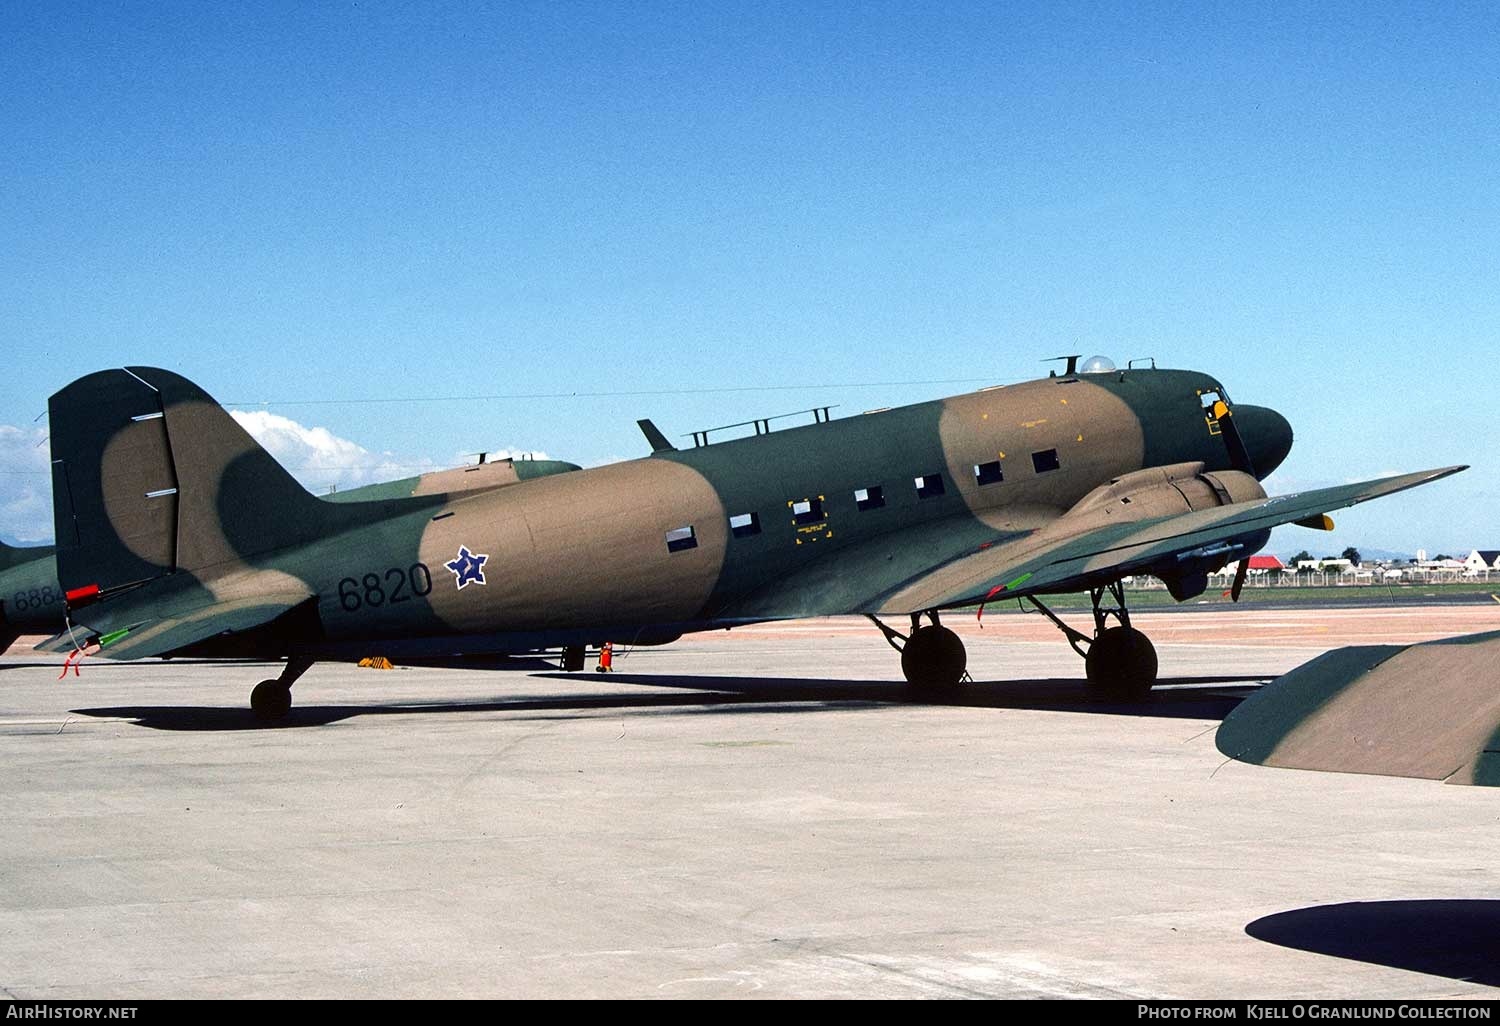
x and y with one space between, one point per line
151 476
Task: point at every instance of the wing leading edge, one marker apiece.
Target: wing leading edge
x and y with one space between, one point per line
1072 556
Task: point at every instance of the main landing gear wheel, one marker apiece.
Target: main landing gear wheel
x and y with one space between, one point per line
1121 664
933 660
1120 661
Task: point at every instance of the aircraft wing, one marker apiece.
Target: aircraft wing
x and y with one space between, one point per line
1430 711
122 636
1063 557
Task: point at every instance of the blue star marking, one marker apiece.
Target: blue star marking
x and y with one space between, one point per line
468 568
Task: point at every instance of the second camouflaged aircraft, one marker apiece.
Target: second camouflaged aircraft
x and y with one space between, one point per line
31 601
178 535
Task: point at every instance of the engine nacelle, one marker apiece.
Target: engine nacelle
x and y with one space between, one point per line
1164 491
1169 491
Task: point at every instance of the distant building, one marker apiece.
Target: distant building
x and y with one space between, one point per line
1483 559
1259 566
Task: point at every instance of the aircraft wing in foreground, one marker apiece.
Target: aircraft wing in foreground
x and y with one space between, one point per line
1430 710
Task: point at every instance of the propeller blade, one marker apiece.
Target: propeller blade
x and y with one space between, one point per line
1239 578
1239 456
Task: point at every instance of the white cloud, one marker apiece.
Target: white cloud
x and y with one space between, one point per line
322 460
25 485
315 456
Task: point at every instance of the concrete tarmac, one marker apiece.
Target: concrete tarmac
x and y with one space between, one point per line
749 814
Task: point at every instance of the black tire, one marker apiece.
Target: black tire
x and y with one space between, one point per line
271 700
1121 665
934 660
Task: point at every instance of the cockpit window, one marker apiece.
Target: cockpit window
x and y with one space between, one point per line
1211 398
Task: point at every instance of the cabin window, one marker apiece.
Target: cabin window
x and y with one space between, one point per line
807 511
988 473
929 486
1045 460
743 525
869 498
681 538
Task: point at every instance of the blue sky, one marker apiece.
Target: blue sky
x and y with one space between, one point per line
893 202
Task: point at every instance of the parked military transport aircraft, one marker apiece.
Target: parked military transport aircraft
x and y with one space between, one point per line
31 599
177 534
1430 710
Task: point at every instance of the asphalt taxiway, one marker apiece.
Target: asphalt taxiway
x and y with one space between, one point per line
758 813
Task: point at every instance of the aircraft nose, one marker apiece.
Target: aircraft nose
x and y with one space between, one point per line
1267 437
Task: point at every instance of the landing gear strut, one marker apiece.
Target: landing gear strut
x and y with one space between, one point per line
1120 661
272 699
933 659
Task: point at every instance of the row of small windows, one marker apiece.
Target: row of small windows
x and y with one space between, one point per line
810 511
1042 462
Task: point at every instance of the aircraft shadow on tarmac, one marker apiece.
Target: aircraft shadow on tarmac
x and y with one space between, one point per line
1454 938
1205 698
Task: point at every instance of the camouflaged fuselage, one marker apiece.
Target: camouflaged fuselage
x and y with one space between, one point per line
587 557
188 537
32 599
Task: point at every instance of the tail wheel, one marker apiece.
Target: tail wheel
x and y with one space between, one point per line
271 700
934 659
1121 664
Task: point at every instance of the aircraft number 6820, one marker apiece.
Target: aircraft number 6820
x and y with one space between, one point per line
376 589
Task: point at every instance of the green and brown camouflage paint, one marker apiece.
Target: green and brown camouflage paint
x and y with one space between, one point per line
178 517
32 598
1430 711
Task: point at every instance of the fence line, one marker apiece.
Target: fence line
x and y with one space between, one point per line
1325 579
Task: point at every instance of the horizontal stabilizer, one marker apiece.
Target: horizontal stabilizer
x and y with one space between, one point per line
168 635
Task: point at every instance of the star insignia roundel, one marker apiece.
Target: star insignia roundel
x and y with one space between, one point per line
468 568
